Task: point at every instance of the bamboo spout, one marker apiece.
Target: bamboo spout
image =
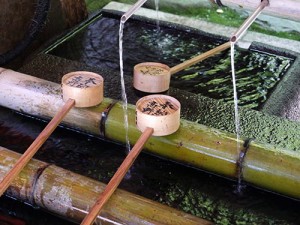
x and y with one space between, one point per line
247 23
132 10
289 9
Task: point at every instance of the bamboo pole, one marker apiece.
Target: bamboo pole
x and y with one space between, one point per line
193 144
70 195
289 9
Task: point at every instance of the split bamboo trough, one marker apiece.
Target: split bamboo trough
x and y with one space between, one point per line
193 144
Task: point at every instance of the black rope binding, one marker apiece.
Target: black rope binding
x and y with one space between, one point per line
37 23
104 116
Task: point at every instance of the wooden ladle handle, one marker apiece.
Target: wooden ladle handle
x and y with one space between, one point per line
117 178
34 147
199 58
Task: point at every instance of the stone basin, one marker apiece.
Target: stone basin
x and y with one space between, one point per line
261 125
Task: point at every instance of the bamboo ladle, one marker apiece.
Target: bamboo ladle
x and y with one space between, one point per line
151 77
157 115
80 89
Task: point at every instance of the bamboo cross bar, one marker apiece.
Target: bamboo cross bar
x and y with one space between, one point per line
166 122
81 89
68 195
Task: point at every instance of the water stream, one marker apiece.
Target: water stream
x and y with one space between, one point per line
124 96
124 18
236 116
157 15
235 97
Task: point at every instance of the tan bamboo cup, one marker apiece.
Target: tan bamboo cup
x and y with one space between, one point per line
85 87
160 112
152 77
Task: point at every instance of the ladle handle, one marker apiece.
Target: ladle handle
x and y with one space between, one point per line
36 144
117 178
199 58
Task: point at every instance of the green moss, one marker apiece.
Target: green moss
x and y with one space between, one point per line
229 17
257 125
94 5
208 205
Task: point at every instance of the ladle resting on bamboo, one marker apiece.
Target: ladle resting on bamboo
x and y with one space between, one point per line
151 77
80 89
157 115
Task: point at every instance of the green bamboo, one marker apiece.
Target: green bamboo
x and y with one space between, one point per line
193 144
70 195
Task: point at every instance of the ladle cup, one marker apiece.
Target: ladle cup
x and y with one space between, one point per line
157 115
80 89
152 77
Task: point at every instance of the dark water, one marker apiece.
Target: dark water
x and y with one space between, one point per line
187 189
257 73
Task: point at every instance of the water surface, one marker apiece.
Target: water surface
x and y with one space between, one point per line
257 73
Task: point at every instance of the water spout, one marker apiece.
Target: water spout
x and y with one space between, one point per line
134 8
247 23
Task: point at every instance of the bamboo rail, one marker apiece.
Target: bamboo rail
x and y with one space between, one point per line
289 9
70 195
193 144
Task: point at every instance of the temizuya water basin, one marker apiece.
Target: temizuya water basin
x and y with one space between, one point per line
95 47
257 72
